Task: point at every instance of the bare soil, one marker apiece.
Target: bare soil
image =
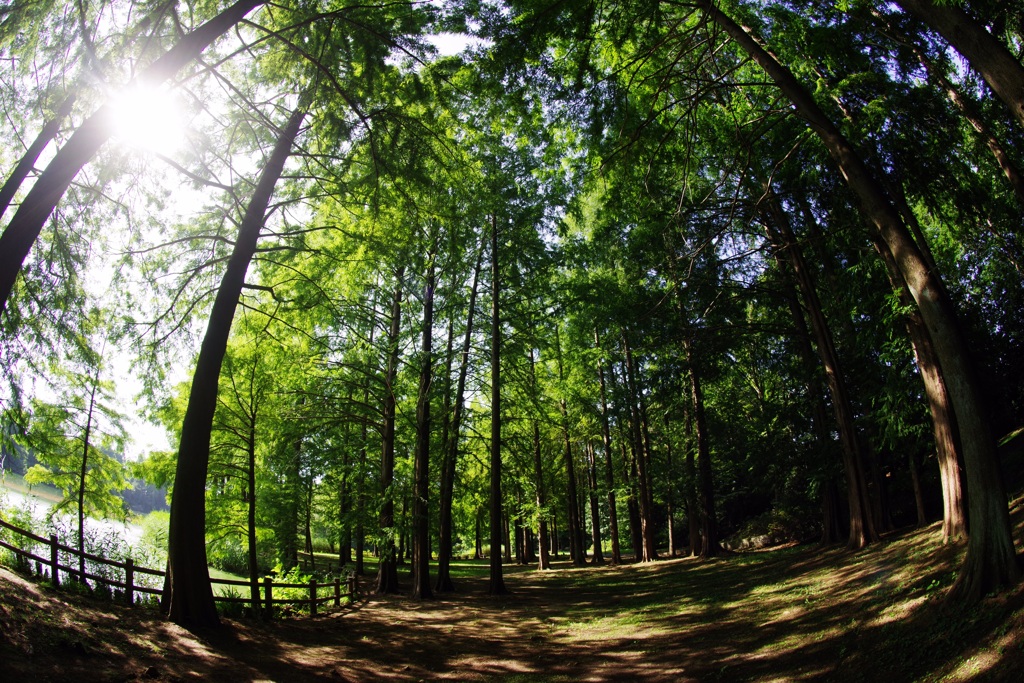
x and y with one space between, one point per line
792 614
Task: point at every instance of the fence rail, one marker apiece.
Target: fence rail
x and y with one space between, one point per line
261 593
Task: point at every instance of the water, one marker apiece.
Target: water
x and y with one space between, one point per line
40 507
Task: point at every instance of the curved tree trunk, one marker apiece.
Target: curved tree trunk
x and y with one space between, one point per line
991 561
862 523
81 147
986 54
28 160
944 429
188 598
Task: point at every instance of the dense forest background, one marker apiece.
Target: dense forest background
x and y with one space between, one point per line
611 279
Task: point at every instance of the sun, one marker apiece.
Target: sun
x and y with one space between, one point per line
148 118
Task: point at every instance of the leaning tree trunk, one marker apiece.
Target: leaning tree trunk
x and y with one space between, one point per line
496 585
944 429
387 570
188 598
862 524
609 472
23 230
991 561
986 54
451 447
421 456
31 155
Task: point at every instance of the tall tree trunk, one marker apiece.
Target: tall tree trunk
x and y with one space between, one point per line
692 512
387 566
595 515
187 597
253 557
421 456
496 585
986 54
648 551
28 160
862 523
970 114
364 428
451 445
830 528
944 428
709 546
544 561
991 561
576 551
83 471
23 230
609 472
636 536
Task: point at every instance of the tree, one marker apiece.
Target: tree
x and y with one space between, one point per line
24 227
187 597
991 562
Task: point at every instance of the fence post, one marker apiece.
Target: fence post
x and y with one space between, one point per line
353 586
129 580
54 571
337 592
312 597
268 590
254 595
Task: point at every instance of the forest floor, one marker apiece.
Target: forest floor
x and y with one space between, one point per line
798 613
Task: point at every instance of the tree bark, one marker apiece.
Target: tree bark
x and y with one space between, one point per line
709 546
576 550
544 559
451 452
496 585
944 428
28 160
23 230
595 515
188 598
647 552
986 54
862 523
991 561
609 472
387 566
421 457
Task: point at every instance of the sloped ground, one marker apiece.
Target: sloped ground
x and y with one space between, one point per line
791 614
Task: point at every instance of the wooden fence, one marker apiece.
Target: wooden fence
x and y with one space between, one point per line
49 564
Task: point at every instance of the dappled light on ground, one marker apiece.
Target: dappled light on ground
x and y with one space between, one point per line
791 614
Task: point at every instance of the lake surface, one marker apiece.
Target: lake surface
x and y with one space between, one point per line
40 507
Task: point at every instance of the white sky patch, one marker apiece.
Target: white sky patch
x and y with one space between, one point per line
449 44
148 118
